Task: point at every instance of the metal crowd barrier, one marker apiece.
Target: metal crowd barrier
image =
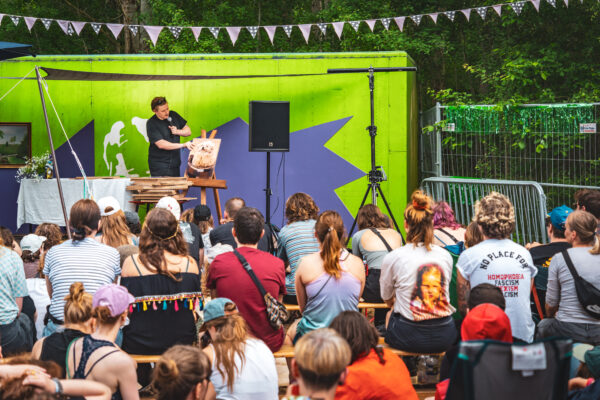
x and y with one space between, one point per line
527 197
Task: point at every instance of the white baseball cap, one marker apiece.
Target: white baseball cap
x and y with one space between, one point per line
32 242
170 204
109 203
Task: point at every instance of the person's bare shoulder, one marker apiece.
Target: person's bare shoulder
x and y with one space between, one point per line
128 268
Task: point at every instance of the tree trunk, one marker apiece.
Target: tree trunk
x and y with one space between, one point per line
130 17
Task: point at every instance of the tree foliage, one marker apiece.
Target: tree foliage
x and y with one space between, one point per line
537 57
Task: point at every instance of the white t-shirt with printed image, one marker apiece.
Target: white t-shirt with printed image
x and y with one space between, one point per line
507 265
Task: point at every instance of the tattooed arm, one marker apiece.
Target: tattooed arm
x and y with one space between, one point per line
462 289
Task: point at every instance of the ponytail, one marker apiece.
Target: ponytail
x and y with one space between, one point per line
330 233
596 249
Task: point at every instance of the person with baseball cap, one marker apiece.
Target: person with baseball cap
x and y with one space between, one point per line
96 357
112 228
586 387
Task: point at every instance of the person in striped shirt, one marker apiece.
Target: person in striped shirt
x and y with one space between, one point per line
81 259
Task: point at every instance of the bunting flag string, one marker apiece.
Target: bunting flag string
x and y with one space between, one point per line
75 27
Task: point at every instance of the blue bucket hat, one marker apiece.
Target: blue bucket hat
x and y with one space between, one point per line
559 215
215 309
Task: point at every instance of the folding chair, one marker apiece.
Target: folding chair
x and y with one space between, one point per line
490 370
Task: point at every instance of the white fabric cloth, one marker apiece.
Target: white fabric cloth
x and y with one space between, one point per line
257 379
561 286
401 271
509 266
39 294
39 201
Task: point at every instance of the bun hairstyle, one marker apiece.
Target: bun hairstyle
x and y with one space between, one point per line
78 305
178 371
495 215
330 233
84 218
300 207
419 218
585 225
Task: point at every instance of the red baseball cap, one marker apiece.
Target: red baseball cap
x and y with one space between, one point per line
486 321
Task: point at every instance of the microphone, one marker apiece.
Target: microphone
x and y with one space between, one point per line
170 120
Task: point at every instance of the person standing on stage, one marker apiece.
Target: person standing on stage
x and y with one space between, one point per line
164 130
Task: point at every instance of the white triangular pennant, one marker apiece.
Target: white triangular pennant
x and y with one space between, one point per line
517 7
134 29
481 11
552 3
536 4
416 18
371 24
466 12
78 26
386 23
433 17
253 30
196 31
15 19
338 27
115 29
288 30
323 28
450 15
214 31
46 23
400 22
305 29
234 32
270 32
566 3
153 32
175 31
96 27
355 25
64 25
1 16
29 21
498 9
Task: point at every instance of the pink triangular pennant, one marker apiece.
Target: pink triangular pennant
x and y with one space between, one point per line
400 22
305 29
234 32
371 23
498 9
338 27
115 29
270 32
29 21
64 25
434 17
153 32
536 4
196 31
466 12
78 26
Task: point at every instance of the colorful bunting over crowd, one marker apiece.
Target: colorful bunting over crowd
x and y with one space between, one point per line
75 27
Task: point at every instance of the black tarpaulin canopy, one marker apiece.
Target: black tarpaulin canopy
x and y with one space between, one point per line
12 50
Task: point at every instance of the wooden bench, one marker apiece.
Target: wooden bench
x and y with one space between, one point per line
361 306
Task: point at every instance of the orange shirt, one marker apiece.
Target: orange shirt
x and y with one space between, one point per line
368 379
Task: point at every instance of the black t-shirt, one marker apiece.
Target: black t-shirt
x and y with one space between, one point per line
55 346
542 255
193 237
222 234
159 130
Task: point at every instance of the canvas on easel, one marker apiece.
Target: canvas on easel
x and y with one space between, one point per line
203 158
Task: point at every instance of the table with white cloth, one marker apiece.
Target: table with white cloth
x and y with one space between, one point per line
39 201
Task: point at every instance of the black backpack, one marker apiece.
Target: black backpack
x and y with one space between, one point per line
588 295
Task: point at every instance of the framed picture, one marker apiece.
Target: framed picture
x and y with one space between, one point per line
15 144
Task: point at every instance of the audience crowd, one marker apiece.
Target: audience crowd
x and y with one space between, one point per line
74 312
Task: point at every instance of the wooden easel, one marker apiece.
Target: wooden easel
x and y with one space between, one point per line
212 182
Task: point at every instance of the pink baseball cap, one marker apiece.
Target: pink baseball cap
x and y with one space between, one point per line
115 297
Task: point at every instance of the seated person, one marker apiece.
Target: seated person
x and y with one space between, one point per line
589 200
38 298
242 366
415 281
8 240
374 373
566 315
446 231
78 323
319 365
473 235
164 280
586 385
112 228
327 282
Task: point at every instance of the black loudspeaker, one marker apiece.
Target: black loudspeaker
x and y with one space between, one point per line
269 126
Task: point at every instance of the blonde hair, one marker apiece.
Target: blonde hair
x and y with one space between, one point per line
321 356
495 215
178 371
229 341
78 305
585 224
187 215
329 229
419 218
115 231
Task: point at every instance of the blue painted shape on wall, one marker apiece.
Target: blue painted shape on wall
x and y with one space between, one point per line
83 144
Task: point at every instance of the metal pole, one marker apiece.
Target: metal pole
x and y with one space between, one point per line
372 130
268 190
60 191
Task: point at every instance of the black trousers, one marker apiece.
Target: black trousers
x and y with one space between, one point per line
372 294
160 171
430 336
